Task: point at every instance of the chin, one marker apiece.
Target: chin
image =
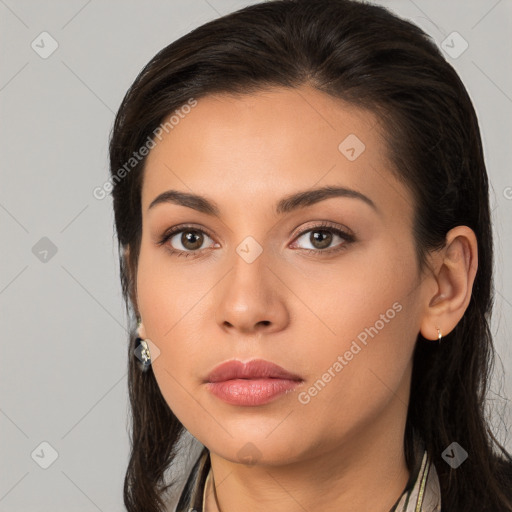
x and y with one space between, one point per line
256 450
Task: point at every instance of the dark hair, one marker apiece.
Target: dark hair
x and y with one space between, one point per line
367 56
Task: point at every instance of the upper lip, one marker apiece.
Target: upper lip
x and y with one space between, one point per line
255 369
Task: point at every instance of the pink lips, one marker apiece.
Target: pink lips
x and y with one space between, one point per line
254 383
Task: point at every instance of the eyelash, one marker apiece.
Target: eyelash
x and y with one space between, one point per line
349 238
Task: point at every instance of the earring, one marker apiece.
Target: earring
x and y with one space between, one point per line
439 335
142 351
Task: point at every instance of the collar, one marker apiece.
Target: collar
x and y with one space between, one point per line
421 494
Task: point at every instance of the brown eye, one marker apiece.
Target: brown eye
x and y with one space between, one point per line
186 241
192 240
321 239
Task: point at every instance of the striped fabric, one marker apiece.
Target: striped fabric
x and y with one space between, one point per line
425 495
422 493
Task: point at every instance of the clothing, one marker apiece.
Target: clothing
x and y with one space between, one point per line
421 494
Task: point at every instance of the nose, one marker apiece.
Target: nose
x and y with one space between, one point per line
251 299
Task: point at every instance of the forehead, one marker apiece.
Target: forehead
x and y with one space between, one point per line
259 147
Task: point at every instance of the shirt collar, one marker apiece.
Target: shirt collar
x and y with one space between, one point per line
424 494
421 494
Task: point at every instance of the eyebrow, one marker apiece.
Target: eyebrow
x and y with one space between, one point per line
288 204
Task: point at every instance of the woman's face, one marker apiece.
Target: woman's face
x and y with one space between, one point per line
255 281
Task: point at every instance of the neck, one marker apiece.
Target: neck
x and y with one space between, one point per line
366 471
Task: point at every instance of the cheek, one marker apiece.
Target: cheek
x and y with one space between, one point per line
164 294
360 341
170 305
362 297
371 350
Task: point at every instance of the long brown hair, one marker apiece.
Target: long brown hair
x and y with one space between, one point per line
369 57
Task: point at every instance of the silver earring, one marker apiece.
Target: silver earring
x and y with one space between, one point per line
439 335
141 351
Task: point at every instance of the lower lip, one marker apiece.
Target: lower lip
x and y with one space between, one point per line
251 391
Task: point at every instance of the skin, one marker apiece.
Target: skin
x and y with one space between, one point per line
297 309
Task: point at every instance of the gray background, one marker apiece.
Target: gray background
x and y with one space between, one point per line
63 371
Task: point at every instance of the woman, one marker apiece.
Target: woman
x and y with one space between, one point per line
301 204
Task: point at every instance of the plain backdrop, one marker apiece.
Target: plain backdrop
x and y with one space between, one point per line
63 373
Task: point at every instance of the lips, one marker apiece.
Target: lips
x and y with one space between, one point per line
255 369
255 383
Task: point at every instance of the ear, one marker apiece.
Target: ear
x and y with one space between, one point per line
451 284
141 331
